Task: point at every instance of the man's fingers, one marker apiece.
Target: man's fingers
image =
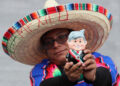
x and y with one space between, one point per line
73 71
86 51
75 66
88 62
79 70
90 67
68 65
88 56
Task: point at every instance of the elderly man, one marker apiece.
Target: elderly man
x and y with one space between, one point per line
40 39
56 48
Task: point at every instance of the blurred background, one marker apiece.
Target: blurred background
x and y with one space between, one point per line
13 73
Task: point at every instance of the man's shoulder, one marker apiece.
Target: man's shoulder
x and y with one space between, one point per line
40 67
105 58
97 54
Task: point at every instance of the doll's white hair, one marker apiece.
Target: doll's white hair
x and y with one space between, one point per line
77 34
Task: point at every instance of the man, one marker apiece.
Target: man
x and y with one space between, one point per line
56 48
56 51
40 39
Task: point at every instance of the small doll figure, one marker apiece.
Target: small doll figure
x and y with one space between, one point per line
77 43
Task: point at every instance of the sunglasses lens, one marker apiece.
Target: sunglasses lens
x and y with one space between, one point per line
61 39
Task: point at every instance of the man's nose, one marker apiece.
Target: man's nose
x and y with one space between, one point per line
56 44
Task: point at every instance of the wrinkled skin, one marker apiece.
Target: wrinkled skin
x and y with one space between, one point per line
57 54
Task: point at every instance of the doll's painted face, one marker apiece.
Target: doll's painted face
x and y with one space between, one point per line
77 44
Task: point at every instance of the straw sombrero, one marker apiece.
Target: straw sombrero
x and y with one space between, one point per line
22 41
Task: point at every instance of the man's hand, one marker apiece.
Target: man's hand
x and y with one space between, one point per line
89 66
73 72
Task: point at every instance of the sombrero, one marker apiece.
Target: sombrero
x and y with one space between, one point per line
22 41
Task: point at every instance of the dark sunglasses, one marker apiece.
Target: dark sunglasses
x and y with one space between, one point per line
61 39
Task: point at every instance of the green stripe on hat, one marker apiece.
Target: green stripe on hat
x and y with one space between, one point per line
5 40
24 20
95 7
28 18
79 6
42 12
83 6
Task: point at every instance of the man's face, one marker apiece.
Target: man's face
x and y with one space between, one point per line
55 43
77 44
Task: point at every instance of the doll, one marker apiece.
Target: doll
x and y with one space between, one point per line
77 43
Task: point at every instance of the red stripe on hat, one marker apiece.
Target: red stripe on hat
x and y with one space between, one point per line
22 22
11 30
4 43
76 6
51 10
105 12
101 9
7 35
89 6
34 15
60 8
26 19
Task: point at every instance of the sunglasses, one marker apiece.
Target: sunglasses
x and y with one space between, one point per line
61 39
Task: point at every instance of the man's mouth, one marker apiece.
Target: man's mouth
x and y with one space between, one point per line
59 52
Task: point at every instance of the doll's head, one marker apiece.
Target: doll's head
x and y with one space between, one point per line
76 40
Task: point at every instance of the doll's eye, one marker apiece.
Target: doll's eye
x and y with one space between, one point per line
80 41
75 41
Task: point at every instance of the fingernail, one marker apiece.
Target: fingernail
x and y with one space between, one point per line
84 51
83 58
83 64
71 62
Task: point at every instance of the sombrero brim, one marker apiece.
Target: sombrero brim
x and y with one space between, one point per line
22 40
